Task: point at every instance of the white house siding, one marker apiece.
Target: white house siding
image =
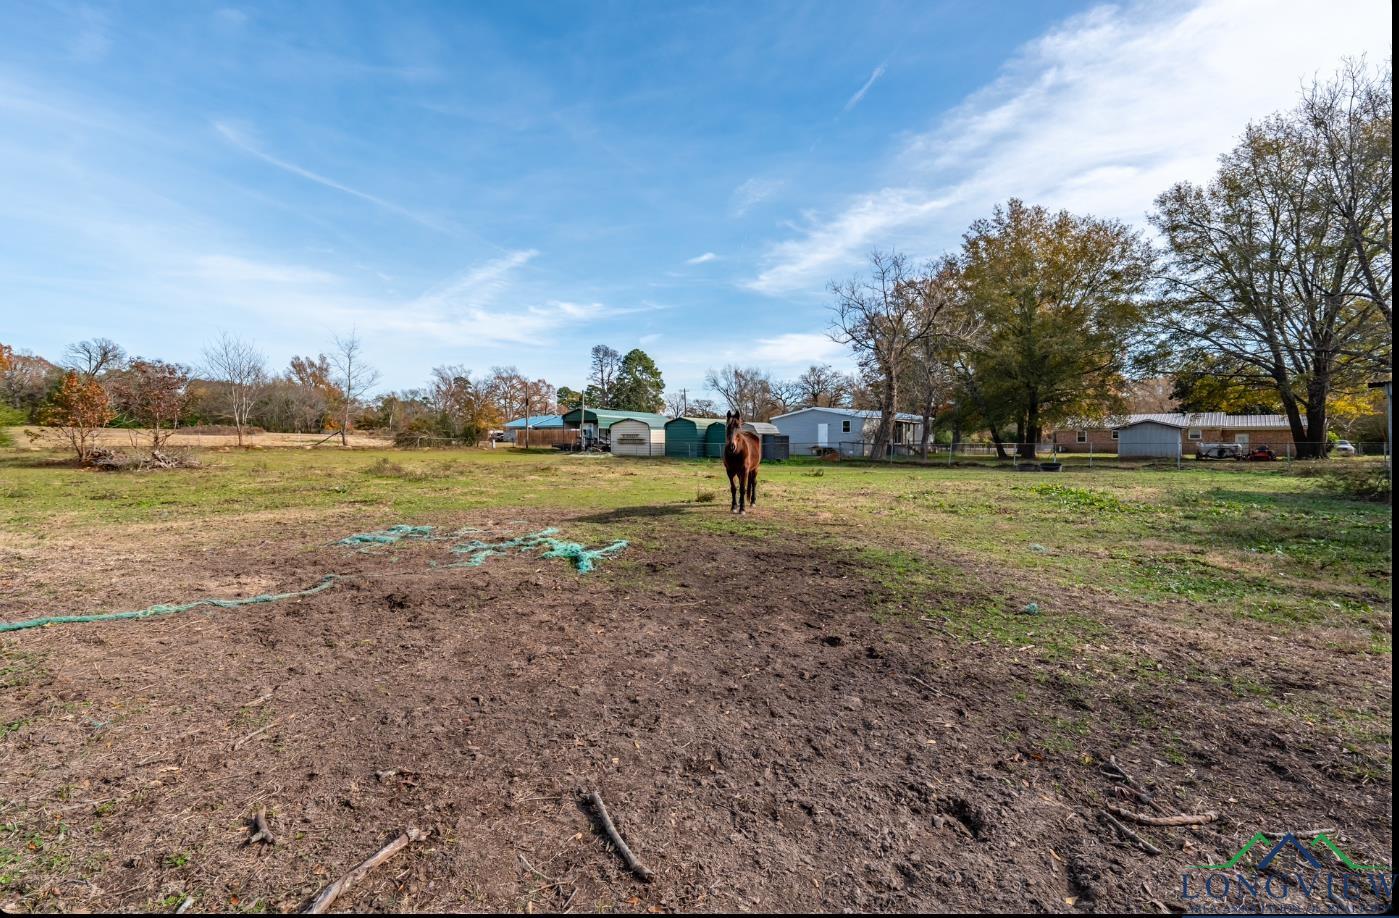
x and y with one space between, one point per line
850 432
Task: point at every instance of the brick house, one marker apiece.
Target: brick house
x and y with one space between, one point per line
1100 436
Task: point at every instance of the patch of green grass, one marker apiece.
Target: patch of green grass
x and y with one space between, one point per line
920 586
18 667
1083 499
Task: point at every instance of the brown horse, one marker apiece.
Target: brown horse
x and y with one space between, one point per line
742 453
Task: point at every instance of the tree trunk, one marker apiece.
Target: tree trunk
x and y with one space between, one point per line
1032 430
1000 446
1317 421
1295 422
927 424
883 433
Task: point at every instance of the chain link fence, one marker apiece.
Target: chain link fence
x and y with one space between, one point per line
1139 452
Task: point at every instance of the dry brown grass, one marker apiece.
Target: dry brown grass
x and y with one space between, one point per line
38 438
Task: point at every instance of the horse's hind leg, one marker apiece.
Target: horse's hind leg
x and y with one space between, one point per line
753 488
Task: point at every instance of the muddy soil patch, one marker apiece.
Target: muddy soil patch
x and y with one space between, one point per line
761 740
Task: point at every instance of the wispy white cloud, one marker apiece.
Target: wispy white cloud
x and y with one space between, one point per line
860 94
233 270
797 348
239 139
487 305
753 192
1099 115
701 259
826 245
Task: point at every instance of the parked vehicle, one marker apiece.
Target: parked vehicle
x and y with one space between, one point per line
1261 454
1219 451
1343 448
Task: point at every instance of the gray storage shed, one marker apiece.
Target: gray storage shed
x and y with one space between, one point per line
1152 439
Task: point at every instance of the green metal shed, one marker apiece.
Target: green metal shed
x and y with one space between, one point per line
695 438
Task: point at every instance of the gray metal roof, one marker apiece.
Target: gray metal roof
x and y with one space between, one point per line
761 427
1194 419
854 413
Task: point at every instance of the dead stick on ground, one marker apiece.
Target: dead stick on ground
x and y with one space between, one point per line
1142 794
632 863
1187 819
326 898
1146 846
256 733
263 833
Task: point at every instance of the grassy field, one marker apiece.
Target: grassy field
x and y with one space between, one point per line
1222 591
1255 544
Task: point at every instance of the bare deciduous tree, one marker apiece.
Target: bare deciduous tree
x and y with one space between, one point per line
94 357
241 372
602 373
882 318
823 386
747 390
353 377
1351 120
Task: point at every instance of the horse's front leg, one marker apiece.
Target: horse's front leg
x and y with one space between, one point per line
733 493
742 491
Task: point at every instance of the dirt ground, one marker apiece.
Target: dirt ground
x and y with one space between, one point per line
762 740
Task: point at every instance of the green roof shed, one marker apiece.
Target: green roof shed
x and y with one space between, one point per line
604 418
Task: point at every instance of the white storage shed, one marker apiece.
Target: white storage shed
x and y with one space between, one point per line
631 437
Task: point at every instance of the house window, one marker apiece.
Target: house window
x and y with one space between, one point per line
1241 439
1082 436
845 427
1195 433
1114 435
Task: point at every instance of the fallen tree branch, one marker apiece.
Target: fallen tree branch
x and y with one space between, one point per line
1146 846
263 833
256 733
1115 771
1185 819
632 863
326 898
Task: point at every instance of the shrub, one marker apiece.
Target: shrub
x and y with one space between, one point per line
1353 480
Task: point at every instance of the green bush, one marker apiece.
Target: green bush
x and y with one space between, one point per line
12 417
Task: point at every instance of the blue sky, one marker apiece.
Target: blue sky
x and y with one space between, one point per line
510 183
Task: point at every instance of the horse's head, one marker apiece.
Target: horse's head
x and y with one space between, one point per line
733 423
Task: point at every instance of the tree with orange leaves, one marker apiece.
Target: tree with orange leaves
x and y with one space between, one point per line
80 408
